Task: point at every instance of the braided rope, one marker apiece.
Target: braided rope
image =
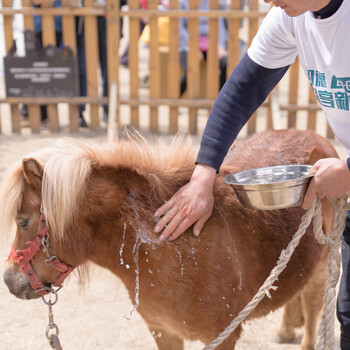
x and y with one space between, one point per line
326 330
326 338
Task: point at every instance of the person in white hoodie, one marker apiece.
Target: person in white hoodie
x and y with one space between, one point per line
318 32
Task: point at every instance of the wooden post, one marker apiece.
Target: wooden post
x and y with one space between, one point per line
113 35
193 66
91 55
49 38
112 128
233 47
134 33
69 40
293 93
33 110
173 68
212 54
154 77
312 114
274 111
15 115
253 28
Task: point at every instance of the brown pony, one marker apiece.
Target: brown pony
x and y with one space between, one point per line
98 203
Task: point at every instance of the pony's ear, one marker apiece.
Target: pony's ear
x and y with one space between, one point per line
33 172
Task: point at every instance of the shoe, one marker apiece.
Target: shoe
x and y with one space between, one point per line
82 122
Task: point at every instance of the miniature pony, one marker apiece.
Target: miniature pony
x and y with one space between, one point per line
97 201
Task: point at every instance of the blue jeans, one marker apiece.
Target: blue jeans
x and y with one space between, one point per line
343 302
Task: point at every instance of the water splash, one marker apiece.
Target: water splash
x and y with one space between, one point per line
240 280
180 258
153 333
233 246
122 246
142 236
135 252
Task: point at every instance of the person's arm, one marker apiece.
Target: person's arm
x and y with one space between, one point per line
246 89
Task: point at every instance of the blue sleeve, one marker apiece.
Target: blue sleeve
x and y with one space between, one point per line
245 90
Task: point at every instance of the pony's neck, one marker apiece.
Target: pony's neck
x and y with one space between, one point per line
119 210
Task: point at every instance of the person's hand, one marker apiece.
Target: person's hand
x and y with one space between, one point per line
221 52
191 204
331 178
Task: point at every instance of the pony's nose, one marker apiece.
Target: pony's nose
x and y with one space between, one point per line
18 284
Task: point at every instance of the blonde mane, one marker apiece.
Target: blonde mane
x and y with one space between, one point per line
68 164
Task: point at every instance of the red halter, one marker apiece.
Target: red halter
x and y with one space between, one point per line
24 257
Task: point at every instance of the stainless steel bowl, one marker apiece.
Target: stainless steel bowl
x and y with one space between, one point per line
270 188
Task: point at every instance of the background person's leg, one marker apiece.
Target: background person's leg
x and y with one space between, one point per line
343 302
183 62
79 27
102 51
223 68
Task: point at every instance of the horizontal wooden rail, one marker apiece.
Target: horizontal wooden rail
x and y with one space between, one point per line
194 13
54 100
204 103
295 107
171 102
54 11
100 11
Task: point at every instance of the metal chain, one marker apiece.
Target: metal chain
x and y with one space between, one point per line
49 258
52 338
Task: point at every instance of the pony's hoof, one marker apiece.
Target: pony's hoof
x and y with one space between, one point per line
307 347
285 340
286 335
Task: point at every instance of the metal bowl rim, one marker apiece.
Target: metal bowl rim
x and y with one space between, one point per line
272 185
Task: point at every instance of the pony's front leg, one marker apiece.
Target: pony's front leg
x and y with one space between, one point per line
167 341
293 316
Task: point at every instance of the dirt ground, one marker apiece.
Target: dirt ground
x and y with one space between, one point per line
93 318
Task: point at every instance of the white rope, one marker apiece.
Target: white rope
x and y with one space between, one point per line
326 337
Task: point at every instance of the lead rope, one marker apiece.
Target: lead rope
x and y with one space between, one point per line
326 337
52 338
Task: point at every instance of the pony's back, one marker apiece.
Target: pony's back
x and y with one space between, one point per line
278 147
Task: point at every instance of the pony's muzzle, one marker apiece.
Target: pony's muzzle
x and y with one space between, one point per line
18 284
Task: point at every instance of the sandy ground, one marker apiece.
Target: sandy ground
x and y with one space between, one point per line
93 318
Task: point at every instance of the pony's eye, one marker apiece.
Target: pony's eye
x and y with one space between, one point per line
23 223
